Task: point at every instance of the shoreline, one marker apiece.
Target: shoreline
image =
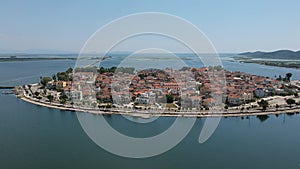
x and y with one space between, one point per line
283 64
140 114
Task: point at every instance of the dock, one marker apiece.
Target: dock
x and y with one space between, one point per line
7 87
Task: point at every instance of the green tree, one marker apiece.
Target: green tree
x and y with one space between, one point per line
62 101
142 76
62 76
263 103
36 93
70 70
102 70
54 77
218 68
45 80
184 68
63 96
50 98
169 98
279 78
290 101
288 77
112 69
45 91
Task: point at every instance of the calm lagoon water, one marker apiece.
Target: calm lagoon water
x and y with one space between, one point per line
17 73
33 137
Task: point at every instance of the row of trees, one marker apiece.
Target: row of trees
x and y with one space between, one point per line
64 76
129 70
287 77
264 104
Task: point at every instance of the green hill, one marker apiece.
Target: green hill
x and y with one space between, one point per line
280 54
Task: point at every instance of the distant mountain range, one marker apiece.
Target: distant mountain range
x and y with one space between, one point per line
280 54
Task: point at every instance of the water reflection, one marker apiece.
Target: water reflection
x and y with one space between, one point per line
262 118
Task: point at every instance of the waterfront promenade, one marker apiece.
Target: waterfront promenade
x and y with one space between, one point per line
148 114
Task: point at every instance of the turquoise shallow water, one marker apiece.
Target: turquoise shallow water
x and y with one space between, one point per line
33 137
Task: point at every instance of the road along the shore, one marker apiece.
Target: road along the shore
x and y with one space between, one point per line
141 114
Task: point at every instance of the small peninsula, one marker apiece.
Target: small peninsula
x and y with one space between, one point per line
280 58
47 57
153 92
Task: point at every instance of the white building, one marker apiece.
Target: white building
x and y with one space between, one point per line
248 96
146 98
74 95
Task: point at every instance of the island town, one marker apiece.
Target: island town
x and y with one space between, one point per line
190 92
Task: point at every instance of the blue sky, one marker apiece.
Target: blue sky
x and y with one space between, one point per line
231 25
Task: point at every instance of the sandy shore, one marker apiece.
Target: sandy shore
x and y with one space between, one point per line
141 114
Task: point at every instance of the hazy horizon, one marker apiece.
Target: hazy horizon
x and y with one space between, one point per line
231 26
58 52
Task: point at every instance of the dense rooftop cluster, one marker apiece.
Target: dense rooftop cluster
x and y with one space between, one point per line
194 88
186 88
